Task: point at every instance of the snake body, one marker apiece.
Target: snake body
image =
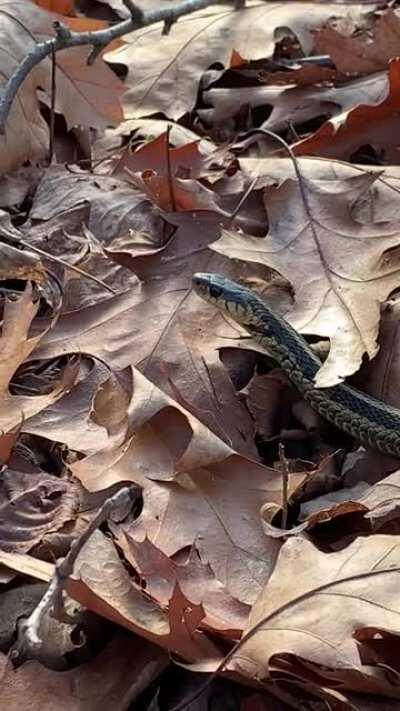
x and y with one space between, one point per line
372 422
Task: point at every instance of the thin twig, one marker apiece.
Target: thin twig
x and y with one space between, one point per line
296 166
29 641
285 484
66 265
65 38
169 169
243 199
52 105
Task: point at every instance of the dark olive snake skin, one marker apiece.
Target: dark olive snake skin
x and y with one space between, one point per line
370 421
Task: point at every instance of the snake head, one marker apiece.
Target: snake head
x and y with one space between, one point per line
229 296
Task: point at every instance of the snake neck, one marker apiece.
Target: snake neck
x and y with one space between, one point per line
298 361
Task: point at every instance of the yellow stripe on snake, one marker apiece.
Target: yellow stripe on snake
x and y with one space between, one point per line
370 421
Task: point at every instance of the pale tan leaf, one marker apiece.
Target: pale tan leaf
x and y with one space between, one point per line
317 607
341 269
165 70
15 346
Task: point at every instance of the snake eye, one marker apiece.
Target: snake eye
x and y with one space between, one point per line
215 292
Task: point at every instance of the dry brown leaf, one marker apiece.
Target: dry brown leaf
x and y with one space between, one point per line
101 583
113 206
32 505
214 508
169 333
7 442
341 269
318 607
114 678
16 264
365 125
87 96
196 580
15 347
190 159
63 7
379 504
152 128
269 399
91 416
365 55
293 104
165 70
167 175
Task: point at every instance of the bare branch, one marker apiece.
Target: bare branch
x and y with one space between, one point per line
29 641
65 38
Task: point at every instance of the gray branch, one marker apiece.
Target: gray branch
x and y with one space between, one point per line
29 641
65 38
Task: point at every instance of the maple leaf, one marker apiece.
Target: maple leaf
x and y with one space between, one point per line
340 268
101 583
196 581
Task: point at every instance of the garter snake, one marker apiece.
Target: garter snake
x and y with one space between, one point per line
370 421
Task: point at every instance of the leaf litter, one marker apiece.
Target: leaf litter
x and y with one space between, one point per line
262 543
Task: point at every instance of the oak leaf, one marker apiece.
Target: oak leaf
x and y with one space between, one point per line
166 69
320 608
341 269
373 123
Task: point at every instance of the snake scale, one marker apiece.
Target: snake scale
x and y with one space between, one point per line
370 421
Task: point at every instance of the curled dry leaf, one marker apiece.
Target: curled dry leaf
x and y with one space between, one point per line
345 268
316 606
32 505
91 416
293 104
379 504
365 125
15 347
16 264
